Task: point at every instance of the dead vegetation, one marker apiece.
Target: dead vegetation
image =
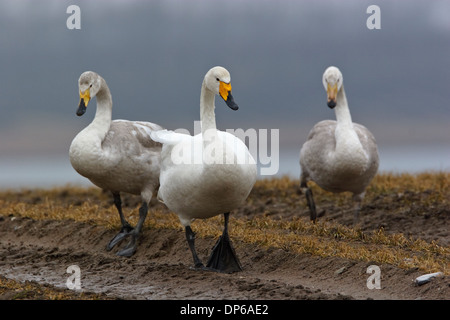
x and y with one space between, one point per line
14 290
275 216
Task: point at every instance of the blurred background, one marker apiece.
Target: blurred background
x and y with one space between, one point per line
154 54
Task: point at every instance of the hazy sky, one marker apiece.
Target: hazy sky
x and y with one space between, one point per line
154 54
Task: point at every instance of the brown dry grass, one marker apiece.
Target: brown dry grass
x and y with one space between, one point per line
28 290
296 235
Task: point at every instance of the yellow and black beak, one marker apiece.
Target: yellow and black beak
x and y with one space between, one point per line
331 95
225 93
84 100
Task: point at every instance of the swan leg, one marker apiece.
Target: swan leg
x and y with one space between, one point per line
357 207
130 248
126 227
223 257
190 237
310 200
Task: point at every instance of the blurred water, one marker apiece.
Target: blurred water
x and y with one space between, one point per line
38 172
395 159
50 171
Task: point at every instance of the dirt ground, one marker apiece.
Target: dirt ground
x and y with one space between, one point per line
38 252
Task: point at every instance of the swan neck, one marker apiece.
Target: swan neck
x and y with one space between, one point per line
102 120
342 111
207 115
347 140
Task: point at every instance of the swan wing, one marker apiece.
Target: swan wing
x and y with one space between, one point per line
130 135
369 144
129 140
314 152
321 139
169 137
365 136
322 130
238 147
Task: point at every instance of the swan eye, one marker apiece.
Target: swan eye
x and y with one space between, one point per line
217 79
90 86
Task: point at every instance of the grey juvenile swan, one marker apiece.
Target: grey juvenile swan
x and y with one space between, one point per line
118 155
338 155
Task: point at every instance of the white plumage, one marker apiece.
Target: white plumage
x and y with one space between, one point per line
208 174
338 155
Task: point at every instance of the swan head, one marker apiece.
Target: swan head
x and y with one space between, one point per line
332 81
218 81
89 84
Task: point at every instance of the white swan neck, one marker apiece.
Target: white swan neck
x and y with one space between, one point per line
102 120
347 139
207 115
342 111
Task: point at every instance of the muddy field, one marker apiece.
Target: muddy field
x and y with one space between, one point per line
37 248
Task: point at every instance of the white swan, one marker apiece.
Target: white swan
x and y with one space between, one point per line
338 155
208 174
118 155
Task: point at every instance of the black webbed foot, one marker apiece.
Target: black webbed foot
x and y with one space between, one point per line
130 248
124 231
223 256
